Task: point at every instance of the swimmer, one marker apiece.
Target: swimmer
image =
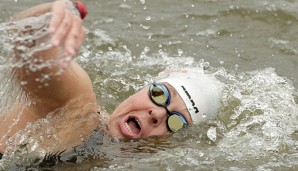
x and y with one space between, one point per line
175 100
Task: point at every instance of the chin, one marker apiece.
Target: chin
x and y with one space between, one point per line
114 129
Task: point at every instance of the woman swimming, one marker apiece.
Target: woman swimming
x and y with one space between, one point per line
168 104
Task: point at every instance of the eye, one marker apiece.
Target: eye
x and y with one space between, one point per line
158 95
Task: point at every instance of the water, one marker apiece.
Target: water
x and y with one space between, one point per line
250 46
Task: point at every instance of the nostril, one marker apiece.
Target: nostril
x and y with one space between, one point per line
150 112
154 121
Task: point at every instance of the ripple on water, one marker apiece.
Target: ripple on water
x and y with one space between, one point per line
255 128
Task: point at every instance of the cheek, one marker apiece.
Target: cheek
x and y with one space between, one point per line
130 104
123 108
133 103
138 101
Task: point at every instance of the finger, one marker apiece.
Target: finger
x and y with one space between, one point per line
81 38
63 28
74 38
58 10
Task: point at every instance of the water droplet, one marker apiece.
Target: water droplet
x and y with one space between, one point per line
236 67
46 76
180 52
146 27
148 18
24 82
142 1
211 133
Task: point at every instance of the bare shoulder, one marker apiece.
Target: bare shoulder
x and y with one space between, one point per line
68 102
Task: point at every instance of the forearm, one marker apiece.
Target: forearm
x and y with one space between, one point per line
42 61
36 69
32 44
42 74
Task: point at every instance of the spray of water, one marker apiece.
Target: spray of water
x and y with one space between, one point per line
21 42
257 123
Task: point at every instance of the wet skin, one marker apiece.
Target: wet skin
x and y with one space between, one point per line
139 117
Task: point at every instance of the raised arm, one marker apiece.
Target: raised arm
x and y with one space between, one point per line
68 90
67 34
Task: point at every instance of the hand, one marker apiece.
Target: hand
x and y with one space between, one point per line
66 27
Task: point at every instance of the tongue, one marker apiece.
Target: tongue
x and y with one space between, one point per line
133 127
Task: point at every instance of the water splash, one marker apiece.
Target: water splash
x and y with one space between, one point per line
261 115
257 117
21 42
257 125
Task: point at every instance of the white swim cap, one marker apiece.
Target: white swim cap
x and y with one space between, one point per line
200 92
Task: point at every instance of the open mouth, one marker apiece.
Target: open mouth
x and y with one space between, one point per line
131 127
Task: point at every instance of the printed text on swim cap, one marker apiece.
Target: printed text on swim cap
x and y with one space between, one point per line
192 102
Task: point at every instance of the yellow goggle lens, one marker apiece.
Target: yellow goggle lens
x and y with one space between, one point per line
175 123
158 96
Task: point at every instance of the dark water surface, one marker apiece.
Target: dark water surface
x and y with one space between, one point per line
251 46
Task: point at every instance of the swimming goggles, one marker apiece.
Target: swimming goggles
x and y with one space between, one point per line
160 95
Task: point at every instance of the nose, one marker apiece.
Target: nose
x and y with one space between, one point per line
157 116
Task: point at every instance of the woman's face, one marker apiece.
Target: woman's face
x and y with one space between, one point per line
139 117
